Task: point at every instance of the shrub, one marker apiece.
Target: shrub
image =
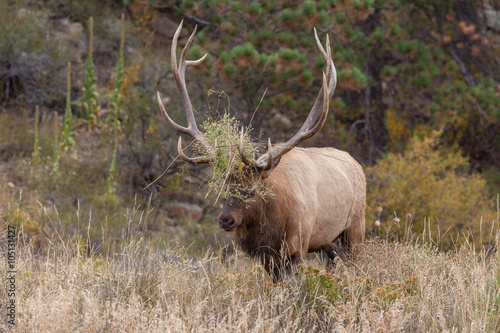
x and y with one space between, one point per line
31 63
254 9
286 16
427 180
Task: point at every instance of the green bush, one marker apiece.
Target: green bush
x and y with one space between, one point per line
309 8
254 9
286 16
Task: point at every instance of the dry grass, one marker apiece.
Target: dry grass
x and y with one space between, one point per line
391 287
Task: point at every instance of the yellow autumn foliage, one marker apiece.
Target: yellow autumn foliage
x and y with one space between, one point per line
21 221
397 129
429 182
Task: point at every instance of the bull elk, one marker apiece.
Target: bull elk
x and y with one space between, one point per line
319 194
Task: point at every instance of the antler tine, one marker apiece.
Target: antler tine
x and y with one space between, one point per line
320 47
186 49
193 160
268 160
188 44
331 72
327 56
261 164
244 159
196 62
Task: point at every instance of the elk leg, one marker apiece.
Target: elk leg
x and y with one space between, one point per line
333 251
279 271
352 239
276 267
283 269
291 267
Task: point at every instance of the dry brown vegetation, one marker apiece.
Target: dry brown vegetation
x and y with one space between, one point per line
391 287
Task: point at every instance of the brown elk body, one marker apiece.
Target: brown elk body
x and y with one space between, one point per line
318 194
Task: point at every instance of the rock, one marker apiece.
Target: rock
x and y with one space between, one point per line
71 30
285 122
170 222
185 210
492 18
38 17
71 35
166 27
25 13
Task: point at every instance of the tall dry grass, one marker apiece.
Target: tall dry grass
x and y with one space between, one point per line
390 287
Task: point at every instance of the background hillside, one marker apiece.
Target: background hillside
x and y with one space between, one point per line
417 103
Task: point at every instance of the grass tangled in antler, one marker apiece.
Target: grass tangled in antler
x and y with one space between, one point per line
230 177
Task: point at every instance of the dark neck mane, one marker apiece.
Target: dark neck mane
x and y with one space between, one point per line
264 223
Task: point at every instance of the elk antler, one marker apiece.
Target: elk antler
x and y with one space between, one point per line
252 162
179 71
313 123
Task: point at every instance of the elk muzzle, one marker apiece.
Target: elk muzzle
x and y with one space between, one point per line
226 223
231 215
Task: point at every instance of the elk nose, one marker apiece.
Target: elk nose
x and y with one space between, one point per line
226 222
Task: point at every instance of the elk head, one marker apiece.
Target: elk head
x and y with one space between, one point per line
257 168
